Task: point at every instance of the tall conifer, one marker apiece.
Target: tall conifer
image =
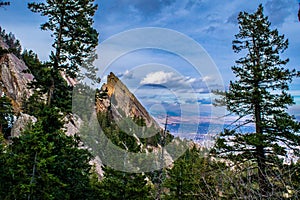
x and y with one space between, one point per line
75 40
259 97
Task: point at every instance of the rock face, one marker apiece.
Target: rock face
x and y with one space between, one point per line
123 102
12 81
20 124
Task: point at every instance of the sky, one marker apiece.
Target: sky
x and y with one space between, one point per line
165 81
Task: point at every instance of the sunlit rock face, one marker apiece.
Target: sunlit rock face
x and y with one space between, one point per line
13 82
123 103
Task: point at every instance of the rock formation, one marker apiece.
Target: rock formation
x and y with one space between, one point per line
123 102
12 81
20 124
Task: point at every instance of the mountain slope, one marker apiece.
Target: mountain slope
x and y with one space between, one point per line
123 102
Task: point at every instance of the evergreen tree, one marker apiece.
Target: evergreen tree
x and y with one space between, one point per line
70 22
292 175
44 163
259 97
122 185
6 116
181 181
62 93
41 165
117 184
193 176
13 44
3 167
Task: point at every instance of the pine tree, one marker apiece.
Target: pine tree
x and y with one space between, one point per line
62 93
70 22
6 116
3 167
181 181
118 184
45 163
13 44
41 165
259 97
123 185
193 176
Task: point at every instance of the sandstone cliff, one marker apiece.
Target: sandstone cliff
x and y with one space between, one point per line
123 103
13 82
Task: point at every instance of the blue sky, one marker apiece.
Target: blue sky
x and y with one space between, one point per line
156 76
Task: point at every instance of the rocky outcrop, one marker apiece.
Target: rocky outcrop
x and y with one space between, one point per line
102 104
13 82
123 102
21 123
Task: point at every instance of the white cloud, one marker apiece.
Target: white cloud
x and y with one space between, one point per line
169 80
158 78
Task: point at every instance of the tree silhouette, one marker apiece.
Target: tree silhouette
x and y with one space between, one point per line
259 97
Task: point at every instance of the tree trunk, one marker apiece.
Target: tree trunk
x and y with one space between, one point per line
57 57
260 153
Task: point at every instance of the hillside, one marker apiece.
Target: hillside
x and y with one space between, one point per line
127 122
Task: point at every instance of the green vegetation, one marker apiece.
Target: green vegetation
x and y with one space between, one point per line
259 96
122 185
45 163
13 44
6 116
70 22
193 176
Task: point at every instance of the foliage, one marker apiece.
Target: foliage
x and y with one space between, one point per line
43 162
291 174
123 185
259 97
194 176
41 165
6 116
62 93
116 135
13 44
75 40
117 184
3 167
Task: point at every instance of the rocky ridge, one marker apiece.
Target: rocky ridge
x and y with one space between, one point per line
123 103
12 79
